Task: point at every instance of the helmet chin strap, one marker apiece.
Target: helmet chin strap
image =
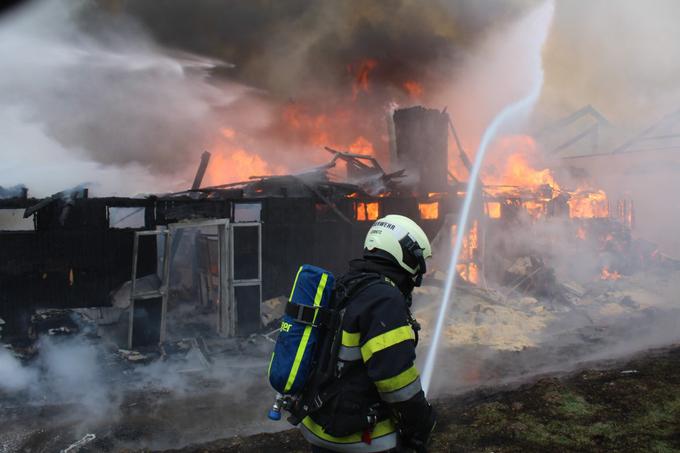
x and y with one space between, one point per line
422 267
408 245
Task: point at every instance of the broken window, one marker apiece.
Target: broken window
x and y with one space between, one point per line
13 220
247 212
493 209
127 217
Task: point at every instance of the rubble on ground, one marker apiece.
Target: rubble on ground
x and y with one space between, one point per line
272 310
520 314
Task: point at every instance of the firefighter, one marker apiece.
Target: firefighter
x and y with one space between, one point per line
380 405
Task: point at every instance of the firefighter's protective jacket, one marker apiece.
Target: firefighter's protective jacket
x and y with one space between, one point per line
379 377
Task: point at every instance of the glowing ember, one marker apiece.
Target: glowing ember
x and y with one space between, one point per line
413 88
429 211
367 210
607 275
581 233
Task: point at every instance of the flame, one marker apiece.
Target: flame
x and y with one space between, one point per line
363 70
467 267
588 204
362 146
413 88
607 275
323 130
429 211
233 165
310 128
493 209
581 233
367 210
516 169
517 177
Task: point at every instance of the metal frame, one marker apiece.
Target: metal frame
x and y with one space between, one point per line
161 292
226 307
244 282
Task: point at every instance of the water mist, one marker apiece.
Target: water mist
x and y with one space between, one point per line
510 112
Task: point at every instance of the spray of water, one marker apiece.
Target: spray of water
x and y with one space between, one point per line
508 113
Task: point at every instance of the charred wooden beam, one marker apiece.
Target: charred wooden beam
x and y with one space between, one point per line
200 172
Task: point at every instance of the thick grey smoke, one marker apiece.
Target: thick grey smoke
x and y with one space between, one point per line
90 89
294 47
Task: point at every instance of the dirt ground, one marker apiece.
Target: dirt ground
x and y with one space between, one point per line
633 407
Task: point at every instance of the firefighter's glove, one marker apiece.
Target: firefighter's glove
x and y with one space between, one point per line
417 435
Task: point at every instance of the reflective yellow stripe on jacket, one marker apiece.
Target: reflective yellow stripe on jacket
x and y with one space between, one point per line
383 438
386 340
398 381
401 387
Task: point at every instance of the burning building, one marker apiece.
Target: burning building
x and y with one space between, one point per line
213 254
221 249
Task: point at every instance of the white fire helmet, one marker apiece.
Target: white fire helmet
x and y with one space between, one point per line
402 239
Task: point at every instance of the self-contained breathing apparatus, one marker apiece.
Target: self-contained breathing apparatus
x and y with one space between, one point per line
312 329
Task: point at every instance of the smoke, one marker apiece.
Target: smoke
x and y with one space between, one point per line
333 71
508 331
87 388
94 90
102 104
296 49
11 192
66 371
619 58
13 376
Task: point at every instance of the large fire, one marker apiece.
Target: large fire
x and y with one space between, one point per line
513 175
517 178
230 162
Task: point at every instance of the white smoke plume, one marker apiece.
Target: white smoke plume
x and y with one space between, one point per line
88 388
106 106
